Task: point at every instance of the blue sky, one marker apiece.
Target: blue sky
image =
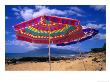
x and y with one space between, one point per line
89 15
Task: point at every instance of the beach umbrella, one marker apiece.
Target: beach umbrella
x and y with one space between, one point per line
53 30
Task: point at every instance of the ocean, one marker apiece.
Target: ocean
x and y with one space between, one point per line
43 52
20 55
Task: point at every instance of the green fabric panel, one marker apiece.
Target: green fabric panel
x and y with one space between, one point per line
47 22
32 32
46 34
36 33
63 32
53 34
27 30
71 27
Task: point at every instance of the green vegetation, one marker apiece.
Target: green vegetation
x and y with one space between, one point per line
34 59
95 50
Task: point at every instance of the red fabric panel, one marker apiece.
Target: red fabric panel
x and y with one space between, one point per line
64 21
35 21
17 27
30 22
52 19
67 21
23 25
19 37
41 41
59 20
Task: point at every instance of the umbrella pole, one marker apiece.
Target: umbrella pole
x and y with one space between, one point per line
49 52
49 57
82 59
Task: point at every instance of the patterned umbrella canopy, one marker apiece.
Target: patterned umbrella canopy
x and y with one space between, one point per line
88 33
52 29
61 30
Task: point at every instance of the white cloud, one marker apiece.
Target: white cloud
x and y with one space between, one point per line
68 47
16 13
98 7
77 9
101 36
97 26
72 12
43 10
13 42
15 9
46 11
28 13
41 7
26 45
32 46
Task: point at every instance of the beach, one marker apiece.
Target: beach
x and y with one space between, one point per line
89 62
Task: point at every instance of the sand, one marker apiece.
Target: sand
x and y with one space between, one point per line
79 64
